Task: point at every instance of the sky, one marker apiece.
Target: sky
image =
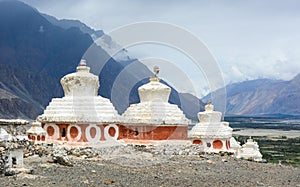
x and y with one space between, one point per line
249 39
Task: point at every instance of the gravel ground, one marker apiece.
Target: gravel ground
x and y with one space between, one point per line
148 166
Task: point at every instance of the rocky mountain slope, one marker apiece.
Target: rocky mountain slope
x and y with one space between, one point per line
12 106
36 53
263 97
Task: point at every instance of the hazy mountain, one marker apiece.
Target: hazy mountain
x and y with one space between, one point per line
35 53
104 40
67 24
263 97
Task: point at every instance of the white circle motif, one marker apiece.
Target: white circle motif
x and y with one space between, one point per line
78 135
56 131
107 135
88 133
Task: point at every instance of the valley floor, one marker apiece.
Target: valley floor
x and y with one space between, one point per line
267 132
140 168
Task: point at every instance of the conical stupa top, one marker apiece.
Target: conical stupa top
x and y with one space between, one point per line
209 115
154 91
80 83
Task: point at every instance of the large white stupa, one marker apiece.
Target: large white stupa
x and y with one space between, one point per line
212 133
81 102
81 114
154 118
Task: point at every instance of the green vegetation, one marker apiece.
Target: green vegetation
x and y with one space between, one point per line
278 150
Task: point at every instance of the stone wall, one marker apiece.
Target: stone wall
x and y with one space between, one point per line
3 160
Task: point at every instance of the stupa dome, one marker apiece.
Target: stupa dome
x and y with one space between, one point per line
80 83
154 91
209 115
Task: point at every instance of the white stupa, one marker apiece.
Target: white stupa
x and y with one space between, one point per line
36 132
212 133
250 151
154 107
81 115
81 102
154 118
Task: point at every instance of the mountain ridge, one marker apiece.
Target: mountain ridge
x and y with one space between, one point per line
263 97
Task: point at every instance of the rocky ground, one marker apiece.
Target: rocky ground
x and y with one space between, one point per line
164 165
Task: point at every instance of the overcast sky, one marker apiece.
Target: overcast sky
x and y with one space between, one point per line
250 39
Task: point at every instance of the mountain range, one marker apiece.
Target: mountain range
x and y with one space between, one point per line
263 97
37 50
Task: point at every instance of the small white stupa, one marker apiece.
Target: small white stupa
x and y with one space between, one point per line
154 118
250 151
36 132
210 132
81 115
